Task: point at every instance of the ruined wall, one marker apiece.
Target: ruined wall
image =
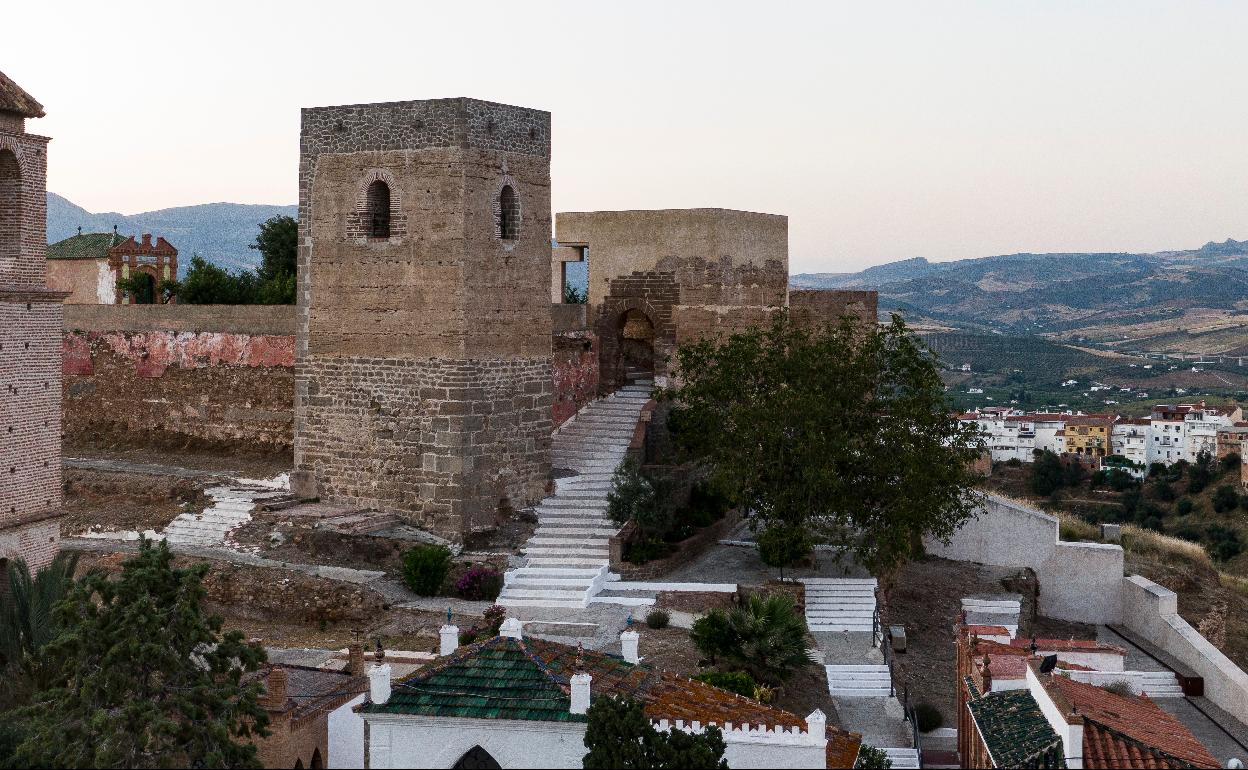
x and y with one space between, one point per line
202 376
694 273
424 355
818 307
574 361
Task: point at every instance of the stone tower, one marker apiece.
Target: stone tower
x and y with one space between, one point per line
30 344
423 381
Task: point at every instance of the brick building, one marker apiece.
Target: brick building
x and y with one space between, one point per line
423 375
306 706
30 343
89 265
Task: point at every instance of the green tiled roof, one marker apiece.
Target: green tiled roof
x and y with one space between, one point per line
1015 731
84 246
496 679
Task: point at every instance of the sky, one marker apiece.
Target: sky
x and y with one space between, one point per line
883 130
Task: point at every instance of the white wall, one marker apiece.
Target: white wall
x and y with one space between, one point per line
1152 611
1078 581
346 737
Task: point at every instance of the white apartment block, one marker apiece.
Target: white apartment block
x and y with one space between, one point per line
1130 439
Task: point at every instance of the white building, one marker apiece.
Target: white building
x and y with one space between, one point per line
1047 425
1130 439
513 702
1182 431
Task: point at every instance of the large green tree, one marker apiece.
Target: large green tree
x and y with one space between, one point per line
619 736
278 244
144 678
843 431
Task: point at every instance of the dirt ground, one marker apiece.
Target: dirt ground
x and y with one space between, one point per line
103 501
237 463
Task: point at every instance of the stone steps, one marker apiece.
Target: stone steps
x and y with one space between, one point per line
840 604
903 758
859 681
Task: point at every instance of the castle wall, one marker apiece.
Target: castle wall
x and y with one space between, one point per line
819 307
423 382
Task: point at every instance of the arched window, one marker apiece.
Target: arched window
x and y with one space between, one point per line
10 210
508 214
377 201
477 758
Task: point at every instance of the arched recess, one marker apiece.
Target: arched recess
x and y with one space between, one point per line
377 214
317 763
477 758
636 345
10 209
508 213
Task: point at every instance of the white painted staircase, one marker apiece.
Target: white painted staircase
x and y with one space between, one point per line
232 507
840 604
566 560
903 758
864 680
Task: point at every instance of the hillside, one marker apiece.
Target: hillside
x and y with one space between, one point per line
219 232
1065 295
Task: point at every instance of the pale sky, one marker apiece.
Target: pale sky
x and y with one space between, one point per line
884 130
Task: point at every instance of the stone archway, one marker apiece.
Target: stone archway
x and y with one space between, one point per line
477 758
636 345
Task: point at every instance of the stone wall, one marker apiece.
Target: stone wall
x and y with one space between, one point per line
817 307
1078 581
574 362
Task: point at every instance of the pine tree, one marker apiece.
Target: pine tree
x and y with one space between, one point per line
145 679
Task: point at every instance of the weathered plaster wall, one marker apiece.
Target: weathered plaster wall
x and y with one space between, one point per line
181 375
1078 581
88 281
1152 611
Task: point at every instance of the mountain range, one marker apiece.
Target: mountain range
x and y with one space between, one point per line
219 232
1050 293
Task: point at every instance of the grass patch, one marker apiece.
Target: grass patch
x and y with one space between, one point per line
1146 541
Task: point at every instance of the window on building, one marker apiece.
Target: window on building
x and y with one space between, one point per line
377 201
10 208
508 214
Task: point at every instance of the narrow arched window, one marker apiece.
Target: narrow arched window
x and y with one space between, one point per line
508 214
377 200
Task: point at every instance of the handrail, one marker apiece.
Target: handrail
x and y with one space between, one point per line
907 708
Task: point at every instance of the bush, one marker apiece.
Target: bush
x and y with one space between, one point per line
927 716
1014 462
1163 491
1156 469
1230 462
1184 506
733 681
1225 498
479 582
765 637
1120 688
871 758
646 550
425 568
783 545
1224 543
658 619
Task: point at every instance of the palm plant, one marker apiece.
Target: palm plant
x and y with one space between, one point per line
765 637
27 622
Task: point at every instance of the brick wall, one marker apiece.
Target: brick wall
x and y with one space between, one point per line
813 307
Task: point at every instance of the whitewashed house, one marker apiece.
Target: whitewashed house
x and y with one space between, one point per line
513 702
1129 438
1202 425
1046 426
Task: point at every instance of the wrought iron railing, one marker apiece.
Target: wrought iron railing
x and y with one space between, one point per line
895 681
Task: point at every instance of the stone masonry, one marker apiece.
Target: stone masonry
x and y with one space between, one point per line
423 341
30 343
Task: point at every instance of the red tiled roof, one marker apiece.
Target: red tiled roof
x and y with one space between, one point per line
984 629
1072 645
14 99
1130 731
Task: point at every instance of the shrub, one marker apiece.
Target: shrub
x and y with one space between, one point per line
646 550
479 582
1184 506
1224 543
1225 498
1120 688
733 681
1014 462
1230 462
765 637
425 568
658 619
783 545
871 758
1156 469
927 716
1163 491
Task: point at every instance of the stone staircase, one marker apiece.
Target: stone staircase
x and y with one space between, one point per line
232 507
840 604
566 560
859 681
1160 684
903 758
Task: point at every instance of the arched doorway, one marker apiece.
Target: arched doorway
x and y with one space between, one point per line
144 289
477 758
636 345
317 763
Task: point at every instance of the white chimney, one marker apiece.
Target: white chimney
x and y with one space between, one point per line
580 693
512 628
628 645
817 726
379 683
450 640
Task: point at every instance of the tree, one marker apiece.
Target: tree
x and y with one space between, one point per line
207 284
764 637
783 545
843 431
278 244
1225 498
1047 475
619 735
871 758
27 624
144 678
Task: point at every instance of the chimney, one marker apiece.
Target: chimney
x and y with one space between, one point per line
379 683
987 674
450 639
628 645
355 659
275 684
817 725
512 628
580 693
147 239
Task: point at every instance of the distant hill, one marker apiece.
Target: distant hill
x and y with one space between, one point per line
219 232
1046 293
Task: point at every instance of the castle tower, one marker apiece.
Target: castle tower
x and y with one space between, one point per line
423 380
30 344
